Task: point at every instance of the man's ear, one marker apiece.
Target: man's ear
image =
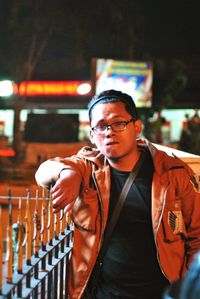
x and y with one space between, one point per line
138 127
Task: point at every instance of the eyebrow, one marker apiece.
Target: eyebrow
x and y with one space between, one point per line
113 118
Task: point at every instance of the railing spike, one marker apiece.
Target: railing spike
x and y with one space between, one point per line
37 226
44 220
9 240
50 225
21 232
28 229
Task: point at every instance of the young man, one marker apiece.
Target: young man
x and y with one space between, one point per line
158 230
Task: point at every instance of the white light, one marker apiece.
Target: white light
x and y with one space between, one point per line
84 88
6 88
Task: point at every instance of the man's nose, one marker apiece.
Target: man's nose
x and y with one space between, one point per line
109 130
109 127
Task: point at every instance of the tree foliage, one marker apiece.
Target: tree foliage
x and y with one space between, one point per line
27 29
26 34
170 79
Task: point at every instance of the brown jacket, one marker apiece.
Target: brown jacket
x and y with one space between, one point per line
175 214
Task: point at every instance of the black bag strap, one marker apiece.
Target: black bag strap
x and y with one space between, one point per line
119 205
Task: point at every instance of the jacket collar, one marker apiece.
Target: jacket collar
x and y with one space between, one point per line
162 161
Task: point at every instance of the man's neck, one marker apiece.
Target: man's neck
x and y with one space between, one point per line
124 163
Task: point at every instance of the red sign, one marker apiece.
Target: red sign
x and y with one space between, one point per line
54 88
7 152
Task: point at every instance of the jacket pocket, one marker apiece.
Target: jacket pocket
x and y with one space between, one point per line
85 210
173 221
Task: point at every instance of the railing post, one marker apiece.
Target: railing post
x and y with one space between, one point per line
9 240
20 247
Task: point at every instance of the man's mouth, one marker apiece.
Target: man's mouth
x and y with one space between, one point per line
111 143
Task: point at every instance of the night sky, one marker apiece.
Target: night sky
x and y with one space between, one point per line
118 29
174 28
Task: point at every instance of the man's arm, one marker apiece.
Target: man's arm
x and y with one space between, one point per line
48 173
65 180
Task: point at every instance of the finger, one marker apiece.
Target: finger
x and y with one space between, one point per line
68 207
59 201
60 204
56 187
56 194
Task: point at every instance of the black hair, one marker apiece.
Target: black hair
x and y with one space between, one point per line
112 96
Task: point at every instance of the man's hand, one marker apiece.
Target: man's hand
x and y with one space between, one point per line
65 181
48 173
65 190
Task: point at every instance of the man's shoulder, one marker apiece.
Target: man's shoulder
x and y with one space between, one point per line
92 154
174 157
88 151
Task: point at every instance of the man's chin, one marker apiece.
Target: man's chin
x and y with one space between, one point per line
112 156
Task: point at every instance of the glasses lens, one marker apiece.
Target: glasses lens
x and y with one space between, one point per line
119 126
100 129
116 126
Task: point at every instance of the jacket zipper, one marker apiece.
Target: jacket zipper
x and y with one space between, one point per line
155 235
101 217
99 204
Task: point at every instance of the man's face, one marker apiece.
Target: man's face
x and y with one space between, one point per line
114 145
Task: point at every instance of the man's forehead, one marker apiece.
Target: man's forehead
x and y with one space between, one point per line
108 111
111 106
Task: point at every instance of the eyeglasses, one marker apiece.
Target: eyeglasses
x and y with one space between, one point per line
116 127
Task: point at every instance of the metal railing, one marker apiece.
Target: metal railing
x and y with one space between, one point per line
35 247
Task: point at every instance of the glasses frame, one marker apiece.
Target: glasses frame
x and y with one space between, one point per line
110 126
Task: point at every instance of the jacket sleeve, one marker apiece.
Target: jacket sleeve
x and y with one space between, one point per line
190 196
49 171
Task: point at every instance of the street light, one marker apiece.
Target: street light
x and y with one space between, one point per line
7 88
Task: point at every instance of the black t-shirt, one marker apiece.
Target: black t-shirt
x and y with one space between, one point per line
130 267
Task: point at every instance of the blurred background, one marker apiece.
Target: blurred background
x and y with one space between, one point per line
53 55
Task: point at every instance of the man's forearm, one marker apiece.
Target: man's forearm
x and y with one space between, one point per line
49 172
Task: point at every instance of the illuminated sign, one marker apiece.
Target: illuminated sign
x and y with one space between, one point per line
133 78
7 152
54 88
